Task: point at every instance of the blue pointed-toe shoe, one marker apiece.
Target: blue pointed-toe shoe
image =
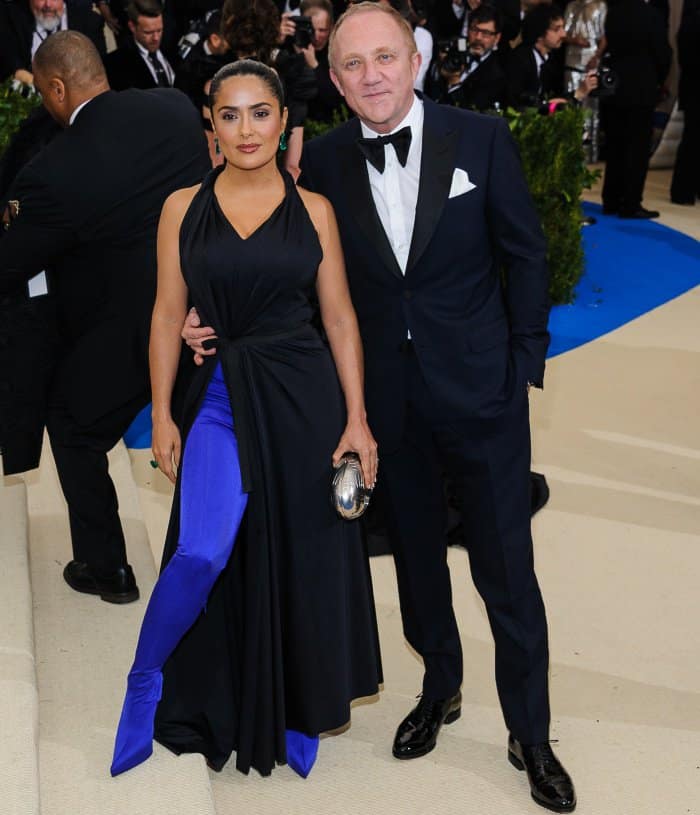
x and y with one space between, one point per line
301 752
134 741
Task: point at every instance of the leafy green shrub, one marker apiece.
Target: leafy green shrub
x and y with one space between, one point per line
553 160
552 154
14 108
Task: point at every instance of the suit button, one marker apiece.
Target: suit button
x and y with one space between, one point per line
407 294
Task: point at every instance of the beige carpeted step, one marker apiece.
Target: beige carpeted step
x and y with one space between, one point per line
84 648
19 700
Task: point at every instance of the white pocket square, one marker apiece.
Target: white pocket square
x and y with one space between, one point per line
460 183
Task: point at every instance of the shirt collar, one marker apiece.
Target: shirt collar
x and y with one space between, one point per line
144 51
75 113
413 119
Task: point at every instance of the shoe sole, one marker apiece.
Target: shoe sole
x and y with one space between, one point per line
449 719
518 764
108 597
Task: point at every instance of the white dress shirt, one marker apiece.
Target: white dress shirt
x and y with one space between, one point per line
41 33
395 191
170 74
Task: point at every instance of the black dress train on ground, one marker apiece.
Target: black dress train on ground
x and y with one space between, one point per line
289 636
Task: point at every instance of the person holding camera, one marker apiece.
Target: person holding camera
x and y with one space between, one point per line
472 77
203 50
256 29
535 71
641 57
312 32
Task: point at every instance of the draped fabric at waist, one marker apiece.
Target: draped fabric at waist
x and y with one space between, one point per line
235 361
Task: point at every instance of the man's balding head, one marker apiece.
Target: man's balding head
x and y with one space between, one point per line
68 70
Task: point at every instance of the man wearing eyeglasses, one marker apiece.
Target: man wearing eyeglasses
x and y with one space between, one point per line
473 77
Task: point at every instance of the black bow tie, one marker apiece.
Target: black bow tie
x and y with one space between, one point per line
373 149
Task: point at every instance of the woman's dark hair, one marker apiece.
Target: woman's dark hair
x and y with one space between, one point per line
251 28
247 67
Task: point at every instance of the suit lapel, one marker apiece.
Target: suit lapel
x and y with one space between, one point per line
356 179
437 165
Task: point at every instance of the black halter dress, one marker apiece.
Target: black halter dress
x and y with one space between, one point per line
289 634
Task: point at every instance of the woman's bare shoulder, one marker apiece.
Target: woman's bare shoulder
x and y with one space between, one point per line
178 202
318 206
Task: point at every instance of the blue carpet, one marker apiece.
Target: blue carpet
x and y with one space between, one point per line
631 268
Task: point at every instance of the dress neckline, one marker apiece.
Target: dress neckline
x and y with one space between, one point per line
263 223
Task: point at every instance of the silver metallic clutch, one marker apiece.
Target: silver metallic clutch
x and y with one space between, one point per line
349 496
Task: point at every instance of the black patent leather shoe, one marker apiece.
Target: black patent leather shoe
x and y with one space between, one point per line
639 214
551 786
417 734
118 587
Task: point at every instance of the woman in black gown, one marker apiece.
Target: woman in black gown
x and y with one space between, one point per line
261 627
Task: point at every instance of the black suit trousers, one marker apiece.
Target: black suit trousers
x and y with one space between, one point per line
80 453
685 185
628 132
490 468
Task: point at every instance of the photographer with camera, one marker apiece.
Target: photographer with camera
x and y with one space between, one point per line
535 70
641 57
468 74
255 29
202 51
312 30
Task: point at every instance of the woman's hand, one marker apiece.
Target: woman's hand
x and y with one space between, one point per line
166 447
358 438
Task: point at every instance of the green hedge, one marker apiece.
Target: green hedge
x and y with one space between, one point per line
551 150
553 159
14 108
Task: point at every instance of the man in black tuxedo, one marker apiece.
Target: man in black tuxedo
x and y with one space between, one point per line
86 209
140 63
535 69
431 202
639 53
480 84
25 24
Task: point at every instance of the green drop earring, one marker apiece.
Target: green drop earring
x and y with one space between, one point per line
283 142
217 147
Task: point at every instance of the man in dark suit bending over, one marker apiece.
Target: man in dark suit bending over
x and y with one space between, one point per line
86 209
139 62
430 201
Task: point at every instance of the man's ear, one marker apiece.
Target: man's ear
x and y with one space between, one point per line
497 39
57 88
336 82
132 27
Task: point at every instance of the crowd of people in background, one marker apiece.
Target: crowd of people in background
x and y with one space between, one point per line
612 56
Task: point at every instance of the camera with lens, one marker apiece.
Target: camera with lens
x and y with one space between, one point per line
608 80
456 56
192 37
303 32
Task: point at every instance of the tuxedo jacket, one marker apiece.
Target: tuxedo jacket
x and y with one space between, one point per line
89 209
476 341
126 69
17 29
525 87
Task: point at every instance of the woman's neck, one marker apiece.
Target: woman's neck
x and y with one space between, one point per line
259 179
